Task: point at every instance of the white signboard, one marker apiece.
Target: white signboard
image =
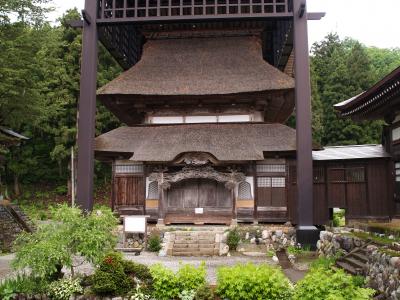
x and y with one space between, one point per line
135 224
199 211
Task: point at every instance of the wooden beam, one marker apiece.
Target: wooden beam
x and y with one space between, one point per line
87 111
303 117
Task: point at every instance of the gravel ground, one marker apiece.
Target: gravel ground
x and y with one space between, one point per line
148 258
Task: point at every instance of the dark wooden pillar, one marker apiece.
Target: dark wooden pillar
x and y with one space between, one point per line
87 108
306 232
162 205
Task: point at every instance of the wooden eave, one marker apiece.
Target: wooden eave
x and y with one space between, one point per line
381 101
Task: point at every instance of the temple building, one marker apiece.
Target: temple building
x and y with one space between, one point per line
206 140
382 102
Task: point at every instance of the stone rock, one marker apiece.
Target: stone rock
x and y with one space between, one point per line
223 249
275 258
288 224
253 240
396 246
162 253
228 255
247 236
265 234
395 262
278 233
241 250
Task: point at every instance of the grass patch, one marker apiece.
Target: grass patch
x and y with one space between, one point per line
390 252
376 239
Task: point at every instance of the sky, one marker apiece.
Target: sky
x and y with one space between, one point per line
372 22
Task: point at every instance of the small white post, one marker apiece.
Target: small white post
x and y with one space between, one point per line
72 177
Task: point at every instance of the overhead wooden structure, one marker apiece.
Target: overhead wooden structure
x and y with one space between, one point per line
134 32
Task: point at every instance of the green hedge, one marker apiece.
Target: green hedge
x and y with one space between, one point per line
251 282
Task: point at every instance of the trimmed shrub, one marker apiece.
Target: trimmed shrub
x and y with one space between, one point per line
204 293
168 285
233 239
327 284
63 289
110 278
191 278
165 283
249 282
154 243
139 272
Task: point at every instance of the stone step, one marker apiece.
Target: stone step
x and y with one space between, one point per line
360 256
357 264
348 268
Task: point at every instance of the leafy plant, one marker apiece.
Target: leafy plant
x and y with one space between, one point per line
248 282
139 294
187 295
339 218
154 243
233 239
63 289
72 233
323 263
165 283
22 284
191 278
271 253
140 273
168 285
204 293
110 277
321 283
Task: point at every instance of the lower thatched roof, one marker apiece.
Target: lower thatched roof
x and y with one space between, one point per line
227 142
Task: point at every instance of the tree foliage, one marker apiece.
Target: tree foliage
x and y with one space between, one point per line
71 234
341 70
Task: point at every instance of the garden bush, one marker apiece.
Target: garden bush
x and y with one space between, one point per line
169 285
326 284
204 293
63 289
71 233
233 239
165 283
250 282
140 272
22 284
154 243
110 277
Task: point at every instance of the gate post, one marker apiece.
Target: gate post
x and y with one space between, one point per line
307 233
87 107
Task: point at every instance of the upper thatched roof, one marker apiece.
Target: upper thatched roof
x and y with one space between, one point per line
227 142
199 66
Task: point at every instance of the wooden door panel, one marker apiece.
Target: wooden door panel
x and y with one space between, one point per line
224 196
190 194
278 197
175 195
264 196
357 203
207 193
129 191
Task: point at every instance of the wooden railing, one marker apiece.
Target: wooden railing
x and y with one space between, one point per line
117 11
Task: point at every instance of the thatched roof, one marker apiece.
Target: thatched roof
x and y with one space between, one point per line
227 142
199 66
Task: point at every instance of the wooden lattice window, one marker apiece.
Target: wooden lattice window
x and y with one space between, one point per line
153 190
397 171
264 182
337 175
128 169
244 191
278 182
319 175
355 174
264 168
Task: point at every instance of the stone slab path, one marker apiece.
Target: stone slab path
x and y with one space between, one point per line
5 268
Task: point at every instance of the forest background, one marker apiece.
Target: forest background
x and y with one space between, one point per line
39 90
